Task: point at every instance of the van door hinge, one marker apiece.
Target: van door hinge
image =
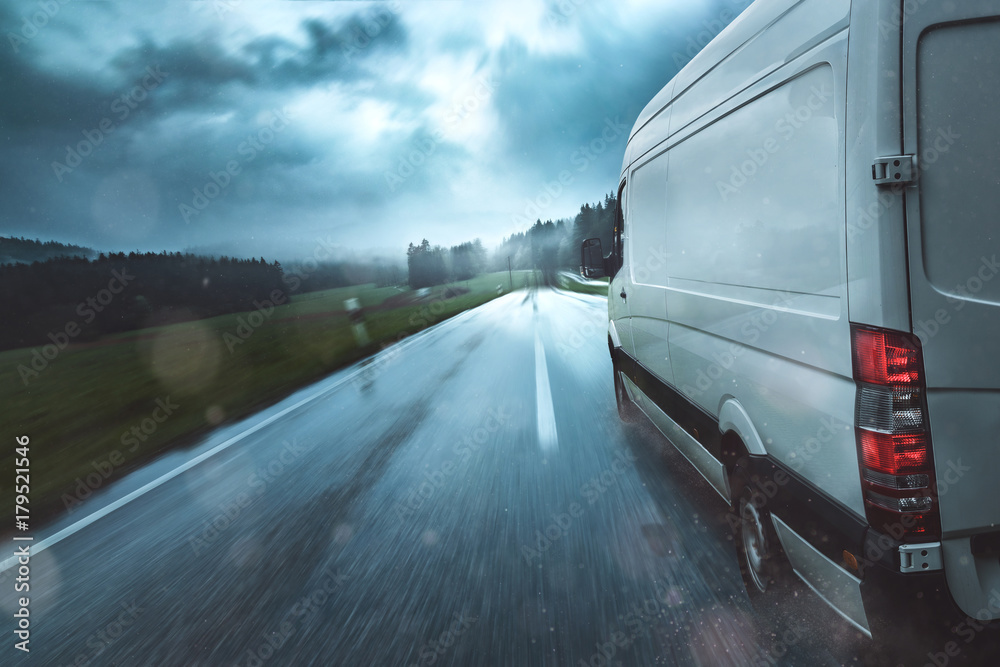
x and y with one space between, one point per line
920 557
896 169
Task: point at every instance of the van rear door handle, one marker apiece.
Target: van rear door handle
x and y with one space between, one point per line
624 296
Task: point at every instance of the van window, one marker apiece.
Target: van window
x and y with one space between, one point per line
752 199
959 143
647 234
618 251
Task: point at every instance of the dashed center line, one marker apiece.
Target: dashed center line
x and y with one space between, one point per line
548 438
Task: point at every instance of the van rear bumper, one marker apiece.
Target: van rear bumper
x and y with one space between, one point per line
915 616
917 604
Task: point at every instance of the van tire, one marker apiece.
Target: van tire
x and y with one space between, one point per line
764 567
627 410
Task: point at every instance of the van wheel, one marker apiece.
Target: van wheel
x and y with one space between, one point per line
627 411
763 565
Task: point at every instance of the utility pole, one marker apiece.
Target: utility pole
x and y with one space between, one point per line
510 274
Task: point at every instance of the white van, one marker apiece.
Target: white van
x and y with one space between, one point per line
805 300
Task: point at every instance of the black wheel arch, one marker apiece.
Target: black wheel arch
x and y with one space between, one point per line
735 454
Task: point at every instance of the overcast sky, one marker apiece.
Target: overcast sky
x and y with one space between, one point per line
256 128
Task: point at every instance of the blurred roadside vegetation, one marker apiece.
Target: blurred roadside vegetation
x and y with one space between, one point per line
91 409
107 361
597 287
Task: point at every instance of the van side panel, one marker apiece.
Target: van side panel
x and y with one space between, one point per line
753 201
737 57
799 28
757 271
647 270
876 235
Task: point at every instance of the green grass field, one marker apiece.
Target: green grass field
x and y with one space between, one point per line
93 412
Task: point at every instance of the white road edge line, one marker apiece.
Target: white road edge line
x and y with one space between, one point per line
42 545
548 438
184 467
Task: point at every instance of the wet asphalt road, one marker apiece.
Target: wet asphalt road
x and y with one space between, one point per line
468 498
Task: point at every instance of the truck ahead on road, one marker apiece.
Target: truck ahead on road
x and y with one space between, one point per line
805 300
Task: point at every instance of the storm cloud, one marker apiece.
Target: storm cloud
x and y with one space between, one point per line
256 128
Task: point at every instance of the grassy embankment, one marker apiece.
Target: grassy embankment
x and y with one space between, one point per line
571 285
85 413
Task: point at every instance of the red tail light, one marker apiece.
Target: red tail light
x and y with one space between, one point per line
886 358
894 444
894 454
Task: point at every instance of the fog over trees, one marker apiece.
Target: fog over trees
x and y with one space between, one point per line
548 247
45 286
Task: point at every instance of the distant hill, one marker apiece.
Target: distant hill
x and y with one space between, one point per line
26 251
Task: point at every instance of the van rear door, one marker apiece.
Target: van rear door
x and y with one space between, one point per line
951 93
